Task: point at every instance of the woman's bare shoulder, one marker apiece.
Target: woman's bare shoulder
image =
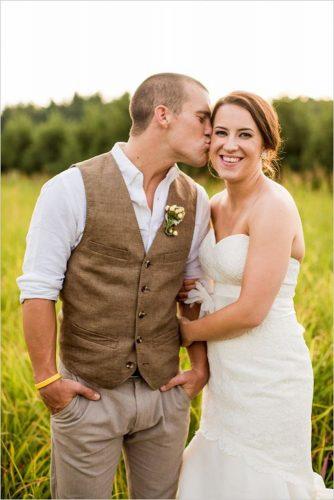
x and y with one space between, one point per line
276 197
217 202
218 198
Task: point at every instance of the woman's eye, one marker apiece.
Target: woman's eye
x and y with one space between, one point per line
221 133
245 134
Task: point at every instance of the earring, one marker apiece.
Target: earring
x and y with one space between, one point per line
212 171
264 155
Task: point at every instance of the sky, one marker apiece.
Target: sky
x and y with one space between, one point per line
51 49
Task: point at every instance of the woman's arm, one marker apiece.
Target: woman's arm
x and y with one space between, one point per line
272 230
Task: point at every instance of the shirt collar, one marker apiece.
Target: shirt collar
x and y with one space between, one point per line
130 172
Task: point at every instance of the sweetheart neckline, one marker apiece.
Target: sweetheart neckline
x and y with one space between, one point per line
216 243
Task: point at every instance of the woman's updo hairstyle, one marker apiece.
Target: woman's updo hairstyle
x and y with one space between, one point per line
266 120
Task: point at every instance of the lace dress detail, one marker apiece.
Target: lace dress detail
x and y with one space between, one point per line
257 404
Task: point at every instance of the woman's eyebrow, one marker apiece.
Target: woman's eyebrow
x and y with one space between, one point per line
239 129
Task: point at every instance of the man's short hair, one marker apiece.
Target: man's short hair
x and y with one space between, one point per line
166 89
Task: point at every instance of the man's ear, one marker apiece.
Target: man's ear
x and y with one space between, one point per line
162 115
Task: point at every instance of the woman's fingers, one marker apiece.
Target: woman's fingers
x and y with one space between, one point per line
189 284
182 296
186 287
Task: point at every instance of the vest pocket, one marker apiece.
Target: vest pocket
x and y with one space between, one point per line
94 337
170 337
116 253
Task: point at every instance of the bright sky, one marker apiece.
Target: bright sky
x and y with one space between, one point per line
51 49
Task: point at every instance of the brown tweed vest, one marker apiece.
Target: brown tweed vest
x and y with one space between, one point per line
119 307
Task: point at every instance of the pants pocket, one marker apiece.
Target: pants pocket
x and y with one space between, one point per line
66 409
183 393
76 407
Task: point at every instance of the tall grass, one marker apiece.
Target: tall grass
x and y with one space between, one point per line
25 420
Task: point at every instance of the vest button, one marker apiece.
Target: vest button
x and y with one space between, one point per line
145 288
147 263
141 314
139 340
129 364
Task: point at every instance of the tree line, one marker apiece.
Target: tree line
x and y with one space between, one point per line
49 139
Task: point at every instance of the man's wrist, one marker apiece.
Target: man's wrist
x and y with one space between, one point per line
44 374
201 368
48 381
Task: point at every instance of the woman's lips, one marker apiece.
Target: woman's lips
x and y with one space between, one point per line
230 161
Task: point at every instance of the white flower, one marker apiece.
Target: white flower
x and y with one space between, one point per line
173 216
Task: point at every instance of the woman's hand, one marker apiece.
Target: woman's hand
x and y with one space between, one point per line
186 287
185 329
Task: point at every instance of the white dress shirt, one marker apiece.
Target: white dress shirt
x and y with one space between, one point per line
59 218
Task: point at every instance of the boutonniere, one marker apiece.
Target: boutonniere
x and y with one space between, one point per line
173 216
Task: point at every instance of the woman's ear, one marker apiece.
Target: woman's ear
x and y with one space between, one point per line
264 155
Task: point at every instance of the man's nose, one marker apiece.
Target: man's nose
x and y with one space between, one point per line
208 130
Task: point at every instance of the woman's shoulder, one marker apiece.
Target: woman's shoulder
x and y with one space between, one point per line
218 198
217 202
275 208
276 197
276 213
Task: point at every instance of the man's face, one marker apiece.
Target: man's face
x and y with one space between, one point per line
190 131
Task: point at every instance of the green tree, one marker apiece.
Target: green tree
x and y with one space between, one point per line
51 138
50 141
17 138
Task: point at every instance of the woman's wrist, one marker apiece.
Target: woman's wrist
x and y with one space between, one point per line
193 330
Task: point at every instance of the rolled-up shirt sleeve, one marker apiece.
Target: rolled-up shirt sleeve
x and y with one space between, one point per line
55 230
202 224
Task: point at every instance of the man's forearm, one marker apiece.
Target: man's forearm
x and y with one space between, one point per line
40 331
197 350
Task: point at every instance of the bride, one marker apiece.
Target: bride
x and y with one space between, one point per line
254 440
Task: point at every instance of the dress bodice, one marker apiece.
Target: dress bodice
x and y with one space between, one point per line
224 262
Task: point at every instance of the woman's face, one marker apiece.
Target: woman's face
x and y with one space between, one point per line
236 144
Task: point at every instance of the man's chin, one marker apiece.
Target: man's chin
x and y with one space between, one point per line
198 163
203 164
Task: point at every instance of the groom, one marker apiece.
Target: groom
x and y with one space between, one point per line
98 238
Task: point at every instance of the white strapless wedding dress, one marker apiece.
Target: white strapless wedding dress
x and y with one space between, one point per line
254 440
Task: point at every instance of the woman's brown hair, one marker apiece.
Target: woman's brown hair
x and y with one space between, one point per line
266 120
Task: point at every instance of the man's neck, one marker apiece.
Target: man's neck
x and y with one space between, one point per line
151 157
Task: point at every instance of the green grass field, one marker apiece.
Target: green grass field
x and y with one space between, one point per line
25 420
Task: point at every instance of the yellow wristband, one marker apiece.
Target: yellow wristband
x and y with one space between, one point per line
48 381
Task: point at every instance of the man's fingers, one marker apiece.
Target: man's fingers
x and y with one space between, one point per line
177 380
86 392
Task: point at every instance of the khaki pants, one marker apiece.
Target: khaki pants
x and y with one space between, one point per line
88 437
